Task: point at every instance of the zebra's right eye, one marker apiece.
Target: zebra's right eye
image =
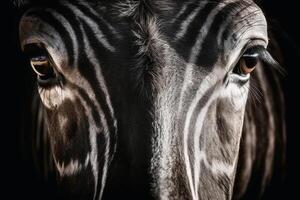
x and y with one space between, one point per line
40 63
247 63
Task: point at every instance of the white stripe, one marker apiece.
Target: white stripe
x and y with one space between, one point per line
72 168
70 30
110 27
94 152
205 85
198 130
90 52
188 80
93 130
203 33
93 25
182 10
216 166
185 24
188 77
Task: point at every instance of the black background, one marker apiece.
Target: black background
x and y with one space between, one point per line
18 179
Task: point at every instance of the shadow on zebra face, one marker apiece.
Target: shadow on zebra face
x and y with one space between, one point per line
152 99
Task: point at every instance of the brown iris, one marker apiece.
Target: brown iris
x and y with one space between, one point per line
247 63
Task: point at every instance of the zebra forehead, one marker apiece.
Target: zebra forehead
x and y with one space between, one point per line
162 5
22 3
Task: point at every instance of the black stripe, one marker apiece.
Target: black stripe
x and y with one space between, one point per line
210 49
48 18
201 103
190 8
75 130
85 66
191 36
90 104
101 141
74 23
173 29
101 25
88 71
83 126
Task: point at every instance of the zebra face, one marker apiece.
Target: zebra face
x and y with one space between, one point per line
70 55
200 108
158 89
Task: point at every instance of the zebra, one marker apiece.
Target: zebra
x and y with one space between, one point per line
155 99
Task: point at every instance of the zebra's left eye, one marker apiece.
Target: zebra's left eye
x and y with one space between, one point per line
40 63
41 66
247 63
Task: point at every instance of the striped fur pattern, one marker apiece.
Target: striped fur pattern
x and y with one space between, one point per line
146 104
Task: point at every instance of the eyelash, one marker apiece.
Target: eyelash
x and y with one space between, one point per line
43 65
254 55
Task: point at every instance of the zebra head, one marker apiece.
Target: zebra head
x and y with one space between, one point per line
148 99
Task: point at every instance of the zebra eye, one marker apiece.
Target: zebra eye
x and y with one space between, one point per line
247 63
39 61
41 66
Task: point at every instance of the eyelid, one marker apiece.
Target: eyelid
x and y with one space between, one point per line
254 48
257 44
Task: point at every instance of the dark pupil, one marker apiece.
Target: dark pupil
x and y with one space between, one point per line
250 60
